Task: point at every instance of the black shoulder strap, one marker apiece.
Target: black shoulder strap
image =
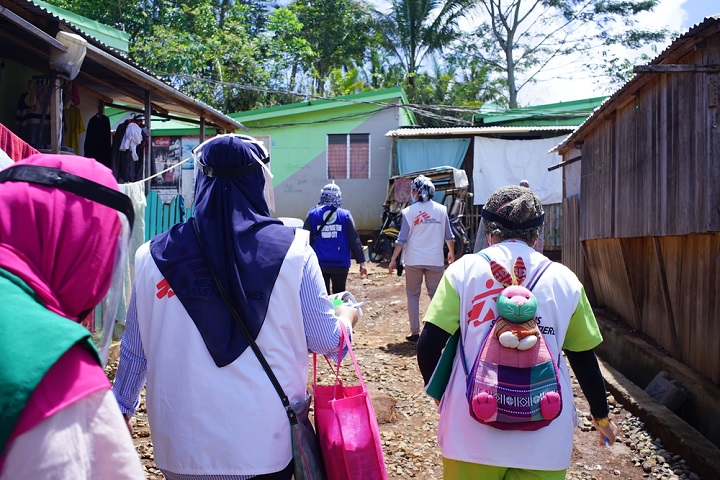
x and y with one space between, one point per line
314 235
251 341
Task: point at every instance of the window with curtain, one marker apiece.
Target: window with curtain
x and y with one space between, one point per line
348 156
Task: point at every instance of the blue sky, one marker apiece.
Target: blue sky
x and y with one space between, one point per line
696 10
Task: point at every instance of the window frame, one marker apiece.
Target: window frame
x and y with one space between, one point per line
348 158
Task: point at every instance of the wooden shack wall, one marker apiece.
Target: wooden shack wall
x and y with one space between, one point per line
649 210
665 287
651 166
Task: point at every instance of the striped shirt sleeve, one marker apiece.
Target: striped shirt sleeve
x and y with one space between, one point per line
132 369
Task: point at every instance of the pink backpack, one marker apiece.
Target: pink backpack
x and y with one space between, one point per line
513 383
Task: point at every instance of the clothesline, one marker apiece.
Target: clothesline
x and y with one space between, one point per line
166 170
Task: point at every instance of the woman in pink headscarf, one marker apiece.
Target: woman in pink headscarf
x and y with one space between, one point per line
63 231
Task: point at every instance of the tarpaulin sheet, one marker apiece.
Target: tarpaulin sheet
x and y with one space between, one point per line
505 162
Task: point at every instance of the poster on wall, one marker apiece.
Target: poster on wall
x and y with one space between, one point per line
166 152
187 182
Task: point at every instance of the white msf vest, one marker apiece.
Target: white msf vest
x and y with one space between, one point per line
229 420
427 221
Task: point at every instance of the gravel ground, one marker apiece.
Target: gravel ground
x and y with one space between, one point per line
409 419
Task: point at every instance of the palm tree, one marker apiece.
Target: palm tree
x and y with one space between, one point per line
413 29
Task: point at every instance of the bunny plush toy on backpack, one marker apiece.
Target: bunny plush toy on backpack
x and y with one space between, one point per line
516 305
513 384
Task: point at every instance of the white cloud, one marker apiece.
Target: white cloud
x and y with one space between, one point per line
561 84
565 82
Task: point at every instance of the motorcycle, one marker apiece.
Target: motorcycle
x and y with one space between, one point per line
383 241
462 242
451 186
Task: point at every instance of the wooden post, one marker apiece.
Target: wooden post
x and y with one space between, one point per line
55 114
147 167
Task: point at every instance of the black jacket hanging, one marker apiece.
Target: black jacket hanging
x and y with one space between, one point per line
97 140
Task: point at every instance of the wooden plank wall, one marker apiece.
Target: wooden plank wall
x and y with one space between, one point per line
572 249
553 227
596 184
609 272
649 209
667 288
652 166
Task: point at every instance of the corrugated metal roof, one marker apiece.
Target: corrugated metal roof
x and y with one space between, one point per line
111 37
464 131
638 80
569 113
376 97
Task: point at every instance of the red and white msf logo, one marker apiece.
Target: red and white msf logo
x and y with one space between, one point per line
482 311
421 217
164 289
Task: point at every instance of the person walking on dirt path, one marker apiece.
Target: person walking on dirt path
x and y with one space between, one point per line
64 233
465 301
212 410
334 238
425 227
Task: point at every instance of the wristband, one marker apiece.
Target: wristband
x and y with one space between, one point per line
602 422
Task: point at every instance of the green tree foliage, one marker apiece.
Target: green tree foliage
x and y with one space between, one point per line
339 33
288 52
345 82
380 71
444 97
414 29
116 13
241 54
193 47
519 39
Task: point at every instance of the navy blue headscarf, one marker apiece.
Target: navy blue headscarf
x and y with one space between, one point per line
244 244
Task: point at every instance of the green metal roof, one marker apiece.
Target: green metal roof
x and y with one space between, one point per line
572 113
160 126
112 37
365 98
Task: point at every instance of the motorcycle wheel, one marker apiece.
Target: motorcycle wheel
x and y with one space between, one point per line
378 248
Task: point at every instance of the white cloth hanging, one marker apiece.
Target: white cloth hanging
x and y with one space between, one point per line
133 138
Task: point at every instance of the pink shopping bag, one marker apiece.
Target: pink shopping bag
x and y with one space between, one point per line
347 427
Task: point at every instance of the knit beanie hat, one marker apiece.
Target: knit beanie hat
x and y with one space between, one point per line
330 195
513 212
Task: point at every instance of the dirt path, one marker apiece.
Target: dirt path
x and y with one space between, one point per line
409 442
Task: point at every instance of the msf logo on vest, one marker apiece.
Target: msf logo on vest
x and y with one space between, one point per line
482 305
421 217
164 289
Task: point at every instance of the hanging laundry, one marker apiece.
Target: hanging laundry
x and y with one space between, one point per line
118 158
136 192
133 137
73 91
27 120
98 139
74 126
15 147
